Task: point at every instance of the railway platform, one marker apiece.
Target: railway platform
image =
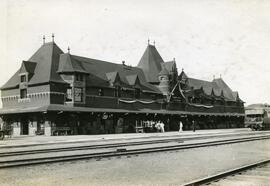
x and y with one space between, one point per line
170 158
36 140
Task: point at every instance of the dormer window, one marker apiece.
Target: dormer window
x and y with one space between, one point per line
23 78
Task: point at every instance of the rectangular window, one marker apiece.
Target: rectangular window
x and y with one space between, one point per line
154 97
78 94
100 92
117 91
79 77
137 93
69 95
23 78
23 93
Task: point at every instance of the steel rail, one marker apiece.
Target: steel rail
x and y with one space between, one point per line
121 152
86 147
216 177
132 138
112 145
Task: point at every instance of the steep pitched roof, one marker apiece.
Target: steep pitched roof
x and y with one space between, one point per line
182 76
28 66
113 77
207 85
13 81
47 59
150 63
170 66
227 91
43 65
101 71
68 64
132 79
164 71
217 87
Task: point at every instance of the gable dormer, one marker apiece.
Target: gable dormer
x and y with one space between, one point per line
115 81
113 78
134 81
183 78
26 71
213 93
222 94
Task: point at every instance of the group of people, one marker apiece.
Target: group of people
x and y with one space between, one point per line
181 126
160 126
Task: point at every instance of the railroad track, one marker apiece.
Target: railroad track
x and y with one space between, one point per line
249 175
175 138
133 138
122 152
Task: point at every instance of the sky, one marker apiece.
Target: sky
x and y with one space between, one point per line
227 38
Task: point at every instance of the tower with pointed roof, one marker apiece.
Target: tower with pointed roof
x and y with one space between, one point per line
164 82
151 64
55 90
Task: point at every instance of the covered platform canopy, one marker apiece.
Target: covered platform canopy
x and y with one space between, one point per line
64 108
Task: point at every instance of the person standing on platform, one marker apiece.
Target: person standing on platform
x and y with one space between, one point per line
162 127
157 125
193 125
180 126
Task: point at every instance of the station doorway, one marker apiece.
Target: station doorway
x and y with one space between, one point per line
24 126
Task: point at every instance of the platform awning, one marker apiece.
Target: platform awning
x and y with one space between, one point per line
65 108
23 110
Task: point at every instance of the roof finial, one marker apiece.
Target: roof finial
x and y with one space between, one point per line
220 76
68 50
148 41
43 39
52 37
154 42
182 69
174 59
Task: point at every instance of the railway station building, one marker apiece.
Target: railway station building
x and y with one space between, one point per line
58 93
